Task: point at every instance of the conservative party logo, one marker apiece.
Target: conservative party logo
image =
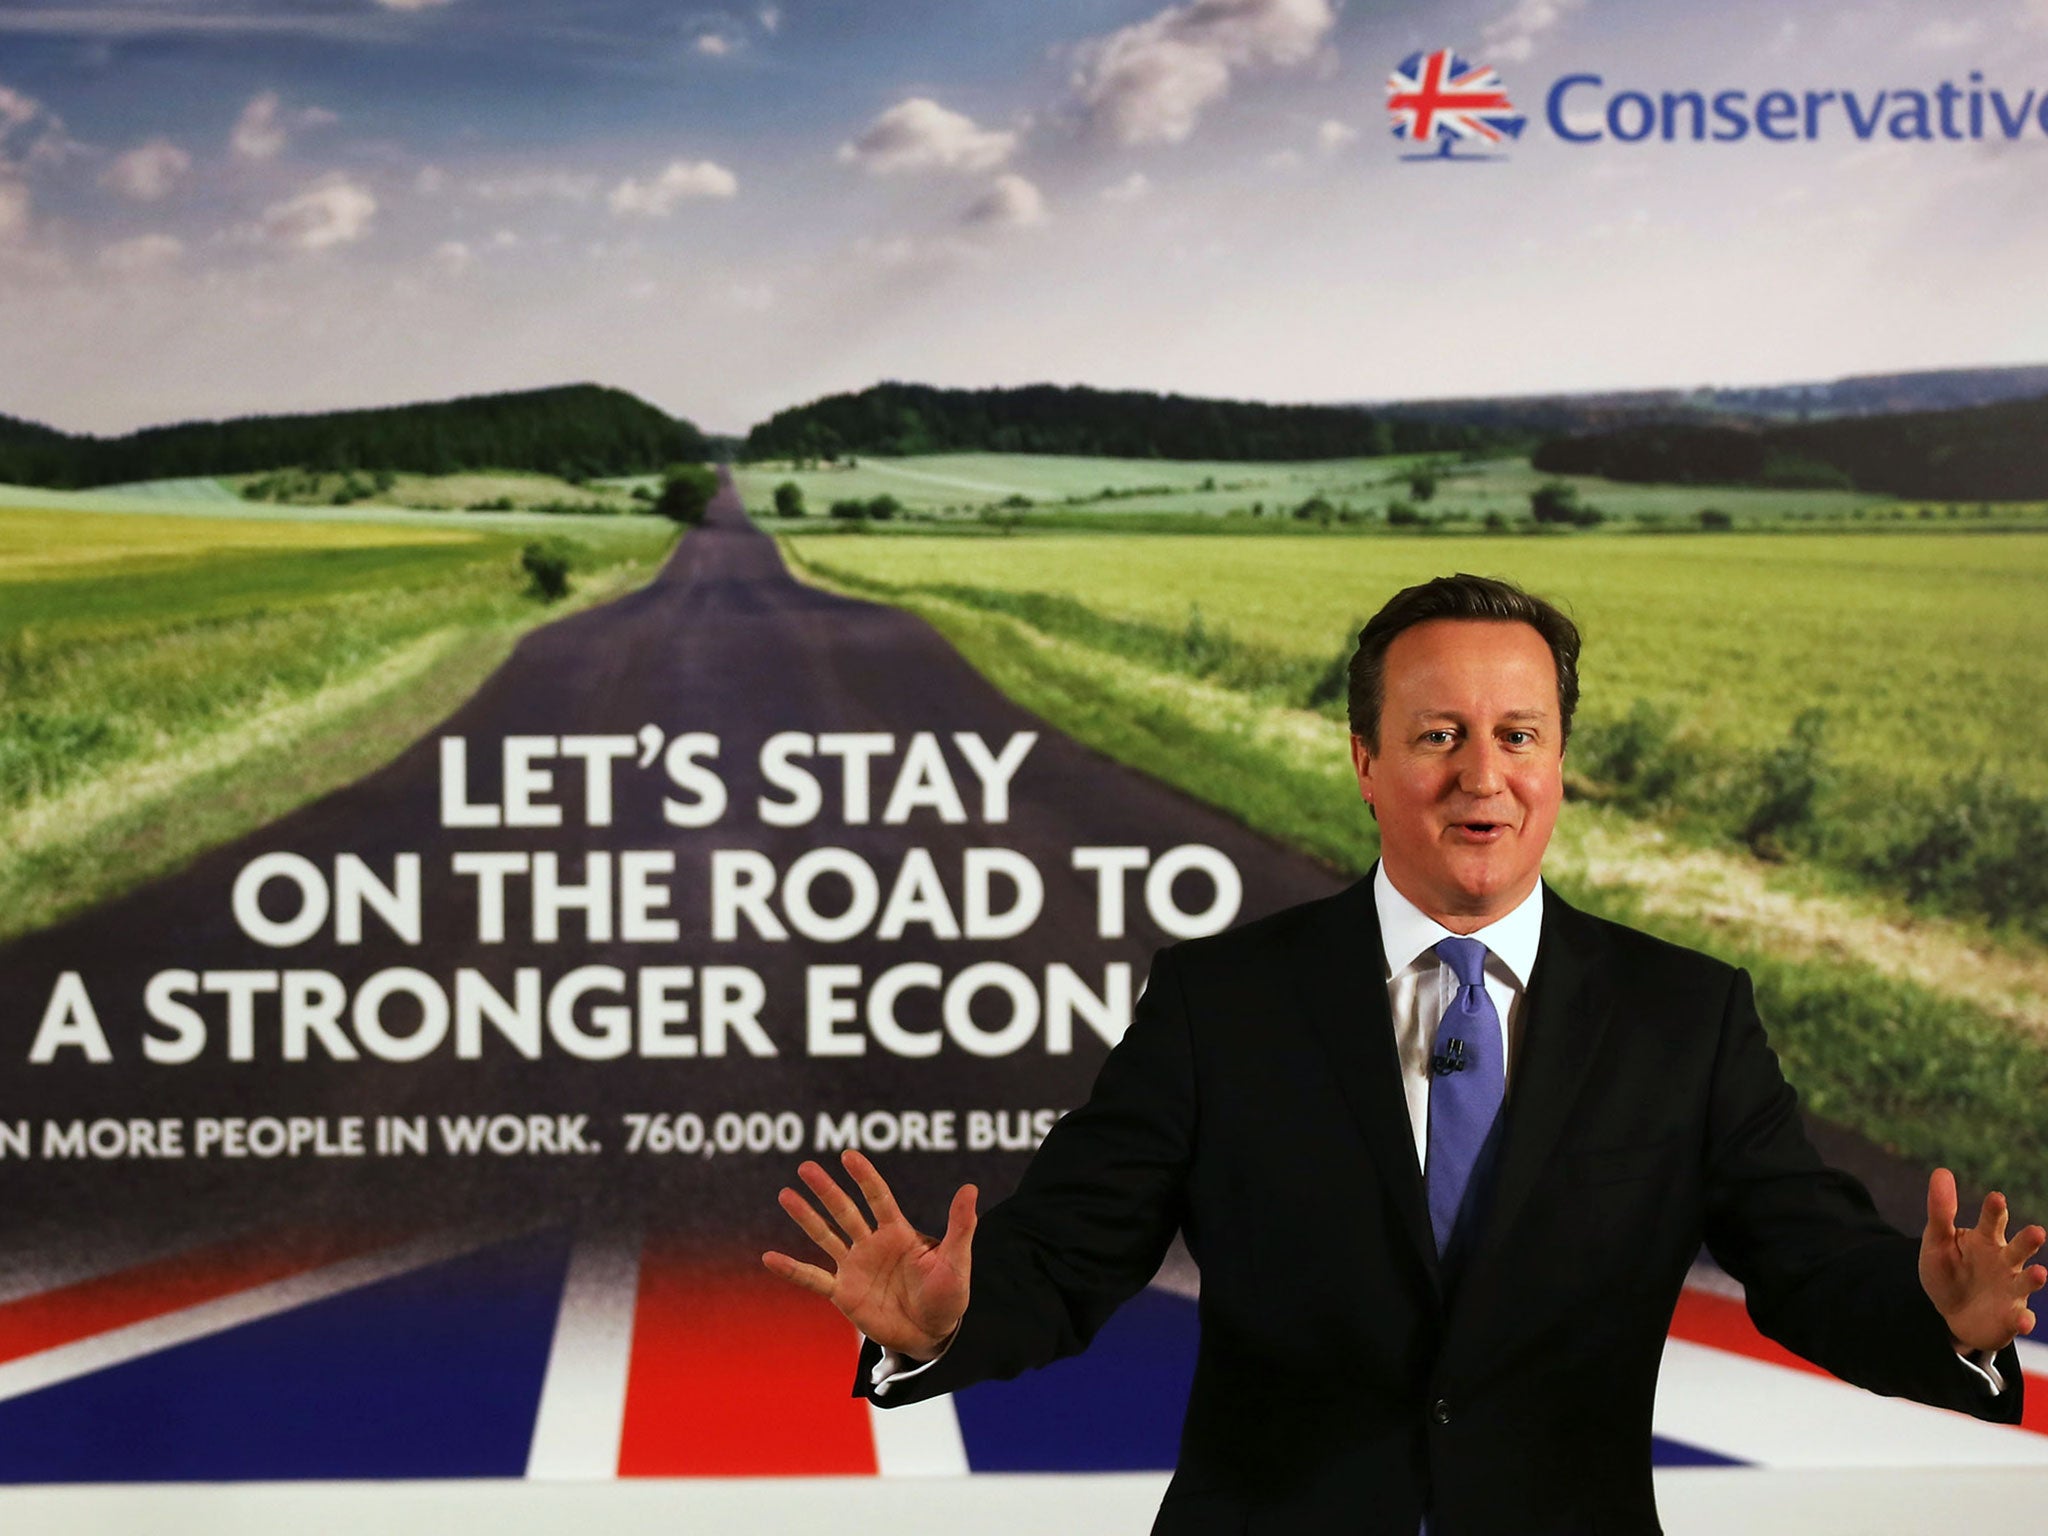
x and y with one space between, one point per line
1448 109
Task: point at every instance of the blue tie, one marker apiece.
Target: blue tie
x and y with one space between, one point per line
1467 1084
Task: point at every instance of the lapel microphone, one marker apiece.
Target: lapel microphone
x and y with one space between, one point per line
1450 1059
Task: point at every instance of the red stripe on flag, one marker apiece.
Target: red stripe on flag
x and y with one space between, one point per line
735 1373
68 1313
1719 1322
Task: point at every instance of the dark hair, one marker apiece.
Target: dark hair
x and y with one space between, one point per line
1478 598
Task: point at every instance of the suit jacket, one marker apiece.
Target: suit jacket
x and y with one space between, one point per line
1255 1104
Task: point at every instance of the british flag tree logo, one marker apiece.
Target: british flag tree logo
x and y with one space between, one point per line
1449 109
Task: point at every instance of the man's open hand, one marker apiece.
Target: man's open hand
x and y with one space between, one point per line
1978 1280
894 1284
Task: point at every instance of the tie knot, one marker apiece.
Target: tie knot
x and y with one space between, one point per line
1466 958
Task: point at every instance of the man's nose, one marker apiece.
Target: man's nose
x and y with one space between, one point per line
1480 768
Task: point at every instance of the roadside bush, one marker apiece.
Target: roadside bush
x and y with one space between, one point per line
547 563
1789 782
1333 683
1401 514
1421 485
1714 520
883 507
686 492
1638 761
1315 509
1554 501
789 499
846 507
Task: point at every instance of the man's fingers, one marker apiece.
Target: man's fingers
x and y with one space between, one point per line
1991 1219
872 1185
809 1276
815 1226
1941 1205
837 1202
960 1222
2024 1245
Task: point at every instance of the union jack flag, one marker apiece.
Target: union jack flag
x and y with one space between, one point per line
1439 96
551 1354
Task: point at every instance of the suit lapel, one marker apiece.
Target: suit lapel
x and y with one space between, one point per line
1569 1008
1341 977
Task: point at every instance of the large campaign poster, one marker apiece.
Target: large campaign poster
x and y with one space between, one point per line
458 854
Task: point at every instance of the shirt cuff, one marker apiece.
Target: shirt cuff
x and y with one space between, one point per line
894 1367
1982 1361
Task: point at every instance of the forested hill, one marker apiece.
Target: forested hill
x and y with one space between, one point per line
1047 418
1983 453
574 430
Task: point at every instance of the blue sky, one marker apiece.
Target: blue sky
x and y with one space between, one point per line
213 207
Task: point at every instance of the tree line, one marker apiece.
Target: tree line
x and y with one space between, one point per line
575 431
896 419
1978 453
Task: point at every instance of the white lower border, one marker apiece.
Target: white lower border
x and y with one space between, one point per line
1694 1502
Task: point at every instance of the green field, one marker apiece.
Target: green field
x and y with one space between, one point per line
147 660
1918 646
486 490
943 485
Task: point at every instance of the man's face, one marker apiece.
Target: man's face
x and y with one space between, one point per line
1468 774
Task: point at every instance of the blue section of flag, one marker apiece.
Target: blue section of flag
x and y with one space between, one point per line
436 1373
1676 1453
1116 1408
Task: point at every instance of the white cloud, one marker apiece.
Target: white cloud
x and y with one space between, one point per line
147 172
13 210
920 135
714 45
258 134
453 257
770 17
1129 190
412 5
16 109
531 186
1283 160
1151 81
2036 12
333 211
47 144
432 181
1942 34
503 240
264 127
1011 202
656 199
754 298
1512 38
1333 135
143 253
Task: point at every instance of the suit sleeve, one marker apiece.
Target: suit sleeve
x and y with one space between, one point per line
1825 1275
1092 1217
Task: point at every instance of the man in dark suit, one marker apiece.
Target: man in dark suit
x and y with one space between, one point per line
1444 1149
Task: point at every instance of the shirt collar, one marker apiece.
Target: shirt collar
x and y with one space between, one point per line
1407 933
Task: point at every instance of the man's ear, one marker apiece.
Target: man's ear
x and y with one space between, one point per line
1362 763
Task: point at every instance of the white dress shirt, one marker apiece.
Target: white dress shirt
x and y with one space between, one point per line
1420 986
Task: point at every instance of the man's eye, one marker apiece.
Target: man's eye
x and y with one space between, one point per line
1520 738
1438 738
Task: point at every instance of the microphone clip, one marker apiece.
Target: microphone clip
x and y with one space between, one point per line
1450 1059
